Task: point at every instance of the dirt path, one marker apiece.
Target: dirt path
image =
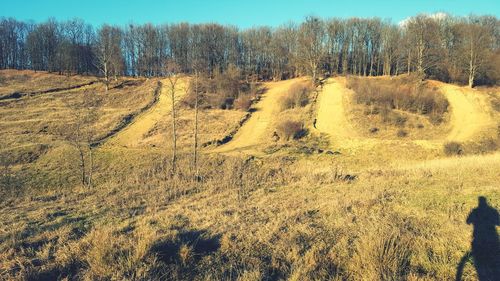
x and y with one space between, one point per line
331 116
469 116
133 134
252 133
19 95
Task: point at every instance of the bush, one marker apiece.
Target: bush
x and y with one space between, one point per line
453 148
402 133
495 102
485 145
399 120
243 102
402 94
297 96
290 129
225 91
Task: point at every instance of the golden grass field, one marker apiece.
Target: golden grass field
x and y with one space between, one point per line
338 204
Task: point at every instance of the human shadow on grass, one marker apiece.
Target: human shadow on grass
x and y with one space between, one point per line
485 246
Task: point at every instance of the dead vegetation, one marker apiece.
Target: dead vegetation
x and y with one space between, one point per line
223 91
297 96
406 94
26 81
288 130
299 212
301 219
398 104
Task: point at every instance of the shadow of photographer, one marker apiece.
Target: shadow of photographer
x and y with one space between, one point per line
485 246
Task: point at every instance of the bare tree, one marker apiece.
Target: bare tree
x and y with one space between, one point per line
172 73
475 46
311 45
390 46
82 133
441 46
196 103
108 52
422 32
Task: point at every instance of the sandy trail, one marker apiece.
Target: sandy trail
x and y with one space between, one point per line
469 116
331 116
253 132
133 134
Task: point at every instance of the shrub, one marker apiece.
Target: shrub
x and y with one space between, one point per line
402 133
486 145
453 148
297 96
225 91
290 129
243 102
495 102
399 120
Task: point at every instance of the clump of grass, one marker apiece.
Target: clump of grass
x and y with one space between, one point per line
495 101
384 257
485 145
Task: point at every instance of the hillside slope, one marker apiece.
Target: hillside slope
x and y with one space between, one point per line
133 134
253 132
470 116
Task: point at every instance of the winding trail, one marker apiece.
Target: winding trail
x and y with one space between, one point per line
132 134
253 132
469 117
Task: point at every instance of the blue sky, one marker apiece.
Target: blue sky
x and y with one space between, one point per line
241 13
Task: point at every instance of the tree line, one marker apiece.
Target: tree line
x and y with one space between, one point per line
448 48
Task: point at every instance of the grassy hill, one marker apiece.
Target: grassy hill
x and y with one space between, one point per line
300 188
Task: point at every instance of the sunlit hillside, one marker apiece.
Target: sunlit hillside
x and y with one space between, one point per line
329 149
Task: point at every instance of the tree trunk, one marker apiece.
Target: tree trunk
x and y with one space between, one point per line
196 128
106 76
82 164
472 68
471 79
91 164
409 61
174 133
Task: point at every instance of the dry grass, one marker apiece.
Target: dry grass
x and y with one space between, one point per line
386 211
399 93
301 220
12 81
396 104
42 119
